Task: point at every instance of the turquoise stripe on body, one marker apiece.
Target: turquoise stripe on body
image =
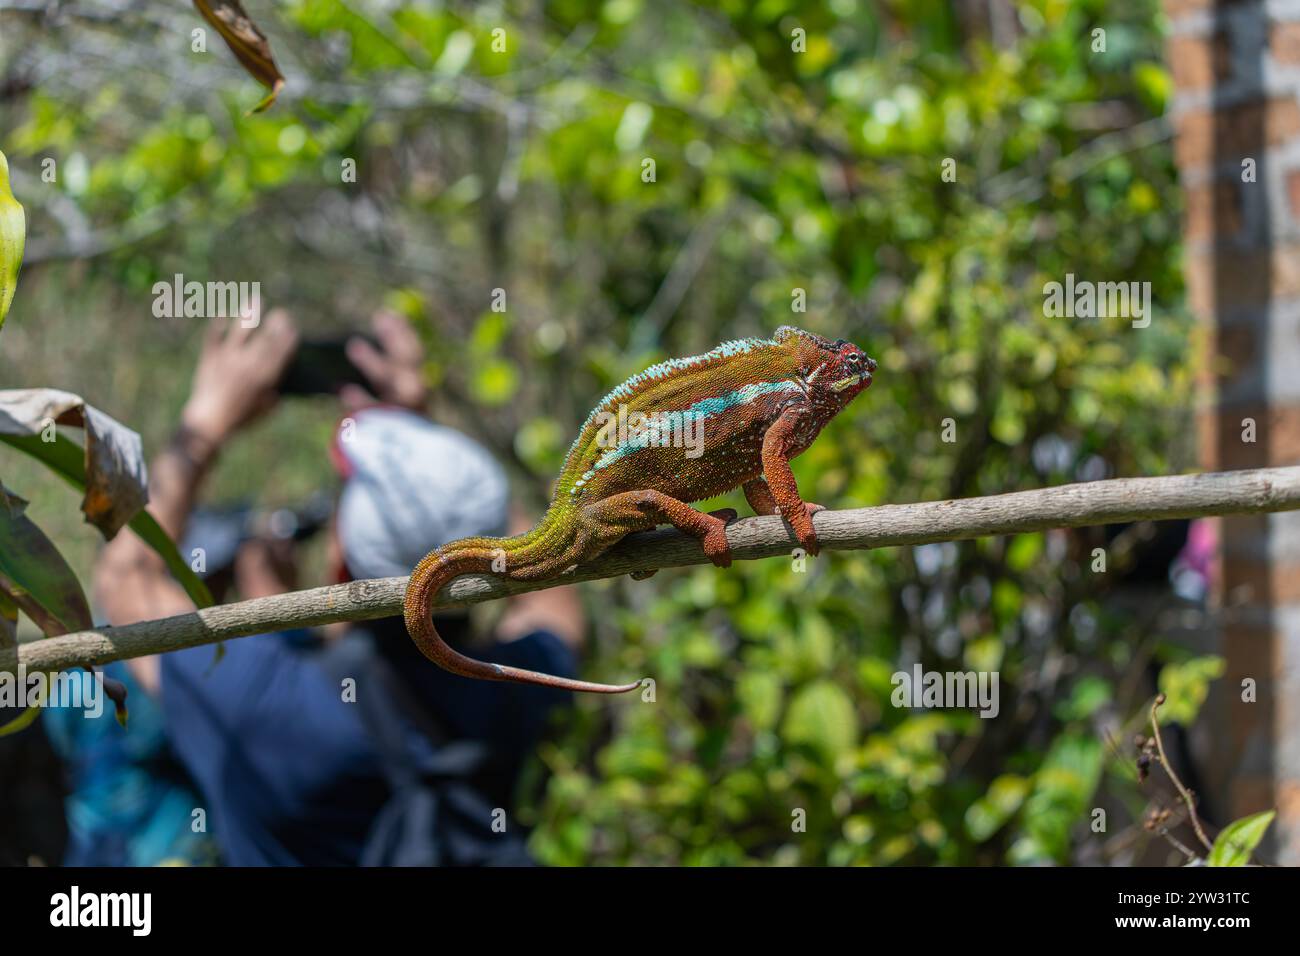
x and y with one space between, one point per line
677 421
667 368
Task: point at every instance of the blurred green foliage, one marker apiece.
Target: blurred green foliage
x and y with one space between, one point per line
772 738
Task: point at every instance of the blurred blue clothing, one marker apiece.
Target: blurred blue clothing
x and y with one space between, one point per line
288 772
131 802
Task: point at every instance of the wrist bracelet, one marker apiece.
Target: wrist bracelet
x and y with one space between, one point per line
196 449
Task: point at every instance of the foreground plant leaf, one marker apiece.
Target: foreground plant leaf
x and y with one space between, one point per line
152 534
34 576
13 234
8 622
1238 840
113 470
9 638
115 490
247 42
21 722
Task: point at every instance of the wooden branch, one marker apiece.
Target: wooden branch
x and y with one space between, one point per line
1067 506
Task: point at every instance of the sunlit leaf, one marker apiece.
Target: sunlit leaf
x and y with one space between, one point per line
1087 695
1186 685
821 716
68 460
21 722
13 234
759 694
112 470
1239 838
986 815
1063 786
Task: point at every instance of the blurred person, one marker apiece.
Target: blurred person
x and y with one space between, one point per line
354 749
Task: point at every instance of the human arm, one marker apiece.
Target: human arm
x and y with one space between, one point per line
234 383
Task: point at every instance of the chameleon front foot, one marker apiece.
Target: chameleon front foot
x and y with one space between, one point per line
800 522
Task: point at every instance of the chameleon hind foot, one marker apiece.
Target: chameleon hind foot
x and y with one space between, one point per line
641 510
712 548
716 548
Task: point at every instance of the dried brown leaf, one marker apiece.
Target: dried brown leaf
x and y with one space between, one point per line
247 42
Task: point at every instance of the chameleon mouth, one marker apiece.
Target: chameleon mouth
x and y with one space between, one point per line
849 382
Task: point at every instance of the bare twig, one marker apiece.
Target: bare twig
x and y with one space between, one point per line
1178 844
1067 506
1183 792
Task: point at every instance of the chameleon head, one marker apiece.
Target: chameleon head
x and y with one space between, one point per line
834 372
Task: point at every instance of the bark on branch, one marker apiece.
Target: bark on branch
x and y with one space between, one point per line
1067 506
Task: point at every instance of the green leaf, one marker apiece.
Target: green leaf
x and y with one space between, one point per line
35 576
821 716
13 235
8 618
1088 694
152 534
759 694
8 621
1238 840
1154 84
65 458
495 381
21 722
1025 551
113 472
1063 786
1186 684
986 815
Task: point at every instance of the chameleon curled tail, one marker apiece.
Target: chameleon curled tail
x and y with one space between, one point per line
475 556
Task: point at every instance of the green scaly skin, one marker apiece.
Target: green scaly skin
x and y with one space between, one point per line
755 404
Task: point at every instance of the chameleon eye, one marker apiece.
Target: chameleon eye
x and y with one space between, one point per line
854 358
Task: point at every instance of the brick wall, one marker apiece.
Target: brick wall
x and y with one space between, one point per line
1236 68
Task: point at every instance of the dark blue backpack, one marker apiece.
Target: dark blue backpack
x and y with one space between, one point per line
435 815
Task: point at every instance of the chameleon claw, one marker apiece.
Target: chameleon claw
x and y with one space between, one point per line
716 548
801 525
809 540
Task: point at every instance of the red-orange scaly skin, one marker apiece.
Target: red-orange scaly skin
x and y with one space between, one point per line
757 402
